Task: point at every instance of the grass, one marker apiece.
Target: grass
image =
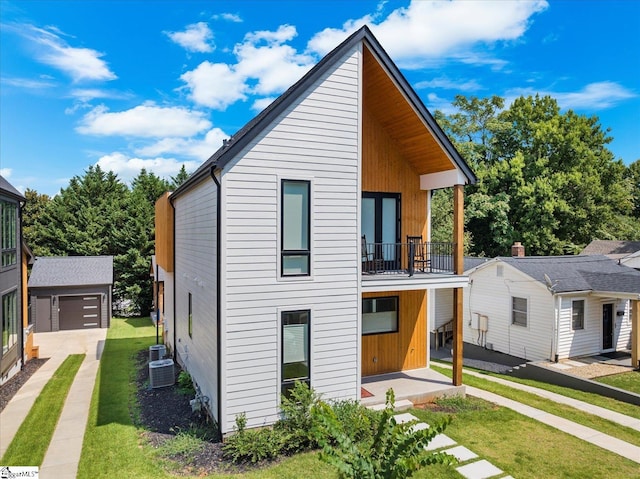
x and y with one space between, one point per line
600 424
628 381
34 435
519 445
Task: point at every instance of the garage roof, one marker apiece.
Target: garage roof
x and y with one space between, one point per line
52 271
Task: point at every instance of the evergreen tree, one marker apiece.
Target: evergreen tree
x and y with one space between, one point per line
180 178
31 216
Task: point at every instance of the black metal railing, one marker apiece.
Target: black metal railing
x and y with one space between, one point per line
407 258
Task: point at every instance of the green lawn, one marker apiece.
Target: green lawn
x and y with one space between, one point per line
628 381
34 435
519 445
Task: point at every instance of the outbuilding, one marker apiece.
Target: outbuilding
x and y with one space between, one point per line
71 292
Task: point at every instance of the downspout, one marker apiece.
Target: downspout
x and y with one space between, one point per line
19 245
173 259
556 332
218 291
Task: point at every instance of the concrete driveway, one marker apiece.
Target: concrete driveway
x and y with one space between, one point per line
76 341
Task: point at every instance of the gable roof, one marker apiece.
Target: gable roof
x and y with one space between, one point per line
54 271
612 249
578 273
248 132
7 189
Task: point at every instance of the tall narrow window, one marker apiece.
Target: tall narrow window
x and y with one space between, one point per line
8 233
9 321
519 311
577 314
190 318
296 251
295 348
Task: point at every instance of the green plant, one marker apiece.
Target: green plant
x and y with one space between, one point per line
252 445
296 423
396 451
184 444
358 421
185 384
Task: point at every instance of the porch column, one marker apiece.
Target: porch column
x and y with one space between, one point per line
458 268
635 333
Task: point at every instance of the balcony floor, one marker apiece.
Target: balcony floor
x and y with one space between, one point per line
417 385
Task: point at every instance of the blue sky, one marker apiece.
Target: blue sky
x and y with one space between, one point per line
158 84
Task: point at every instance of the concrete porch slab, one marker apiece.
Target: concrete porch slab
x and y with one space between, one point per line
417 385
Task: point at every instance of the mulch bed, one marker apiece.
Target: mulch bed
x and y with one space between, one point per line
164 412
13 385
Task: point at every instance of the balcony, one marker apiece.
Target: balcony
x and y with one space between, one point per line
409 266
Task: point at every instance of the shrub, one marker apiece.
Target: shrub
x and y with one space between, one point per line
358 421
396 451
252 445
185 384
296 424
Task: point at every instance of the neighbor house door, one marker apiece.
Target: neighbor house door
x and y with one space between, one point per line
607 326
43 314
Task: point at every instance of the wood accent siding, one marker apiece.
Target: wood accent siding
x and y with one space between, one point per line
196 274
316 139
406 349
385 170
164 233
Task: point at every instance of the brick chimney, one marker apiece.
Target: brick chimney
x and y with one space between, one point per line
517 250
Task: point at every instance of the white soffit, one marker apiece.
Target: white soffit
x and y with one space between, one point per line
442 179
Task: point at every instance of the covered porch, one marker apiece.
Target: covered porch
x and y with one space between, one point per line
418 386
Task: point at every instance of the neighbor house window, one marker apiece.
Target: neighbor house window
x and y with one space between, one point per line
519 311
190 317
295 228
9 321
295 348
380 315
577 314
8 233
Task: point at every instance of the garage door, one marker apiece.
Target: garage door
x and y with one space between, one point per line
79 312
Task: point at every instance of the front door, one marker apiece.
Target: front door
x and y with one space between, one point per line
607 326
381 225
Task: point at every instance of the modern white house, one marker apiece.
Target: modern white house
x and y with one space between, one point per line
551 307
300 250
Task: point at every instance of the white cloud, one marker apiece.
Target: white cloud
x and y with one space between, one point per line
262 103
88 94
28 83
197 37
199 149
81 64
425 31
594 96
449 84
128 168
215 85
265 66
147 120
229 17
5 172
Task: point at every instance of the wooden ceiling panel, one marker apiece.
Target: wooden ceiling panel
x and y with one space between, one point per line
391 109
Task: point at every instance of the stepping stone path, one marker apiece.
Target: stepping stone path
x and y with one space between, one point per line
472 467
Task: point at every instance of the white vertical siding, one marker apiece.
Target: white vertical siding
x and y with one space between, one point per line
195 273
490 295
316 139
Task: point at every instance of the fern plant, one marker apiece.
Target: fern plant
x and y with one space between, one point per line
395 452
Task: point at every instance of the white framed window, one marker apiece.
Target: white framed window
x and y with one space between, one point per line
296 228
519 311
577 314
380 315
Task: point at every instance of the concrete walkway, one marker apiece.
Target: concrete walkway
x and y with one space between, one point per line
63 455
588 434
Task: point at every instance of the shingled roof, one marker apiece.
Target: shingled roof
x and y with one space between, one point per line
579 273
612 249
55 271
8 190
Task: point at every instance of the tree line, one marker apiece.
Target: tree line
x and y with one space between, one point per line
98 214
545 178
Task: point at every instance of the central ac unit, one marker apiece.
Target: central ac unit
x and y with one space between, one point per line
161 373
157 351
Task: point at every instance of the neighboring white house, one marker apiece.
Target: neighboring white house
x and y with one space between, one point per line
550 307
625 252
286 255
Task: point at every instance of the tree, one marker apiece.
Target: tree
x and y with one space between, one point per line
545 178
180 178
31 216
633 174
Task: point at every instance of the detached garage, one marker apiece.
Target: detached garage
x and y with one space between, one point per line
71 292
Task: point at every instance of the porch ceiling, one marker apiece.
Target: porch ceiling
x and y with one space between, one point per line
391 282
387 104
